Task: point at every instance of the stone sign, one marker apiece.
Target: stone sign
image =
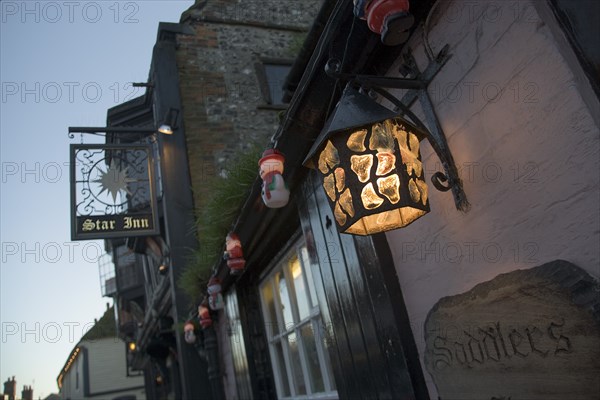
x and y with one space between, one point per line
525 335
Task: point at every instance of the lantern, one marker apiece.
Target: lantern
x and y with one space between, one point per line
234 254
370 165
275 193
215 298
204 315
189 335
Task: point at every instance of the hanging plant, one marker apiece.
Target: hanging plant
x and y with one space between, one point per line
226 197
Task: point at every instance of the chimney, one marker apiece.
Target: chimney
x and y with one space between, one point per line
27 393
10 388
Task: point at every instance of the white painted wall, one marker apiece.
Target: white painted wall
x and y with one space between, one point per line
107 372
108 368
528 150
71 389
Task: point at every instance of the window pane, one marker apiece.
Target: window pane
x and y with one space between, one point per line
285 386
238 347
301 293
276 75
296 365
284 298
308 272
269 301
312 358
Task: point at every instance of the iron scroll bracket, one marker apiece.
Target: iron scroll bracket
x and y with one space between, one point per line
416 84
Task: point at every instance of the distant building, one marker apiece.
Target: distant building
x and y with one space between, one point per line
10 389
97 367
27 393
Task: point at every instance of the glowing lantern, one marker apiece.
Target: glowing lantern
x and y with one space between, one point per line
215 298
370 164
234 254
275 193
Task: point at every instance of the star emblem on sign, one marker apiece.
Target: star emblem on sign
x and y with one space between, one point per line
114 181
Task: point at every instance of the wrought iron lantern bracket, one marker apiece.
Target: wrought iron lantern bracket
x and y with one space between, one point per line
416 84
142 132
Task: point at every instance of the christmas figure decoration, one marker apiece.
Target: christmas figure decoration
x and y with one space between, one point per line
233 254
275 193
215 298
204 315
388 18
188 332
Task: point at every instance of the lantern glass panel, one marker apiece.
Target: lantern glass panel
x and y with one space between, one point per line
329 158
340 179
386 162
356 141
339 214
390 188
382 139
361 165
346 203
329 186
369 198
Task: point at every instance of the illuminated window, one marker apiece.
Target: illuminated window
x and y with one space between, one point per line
300 362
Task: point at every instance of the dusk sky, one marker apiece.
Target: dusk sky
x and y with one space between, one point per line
62 64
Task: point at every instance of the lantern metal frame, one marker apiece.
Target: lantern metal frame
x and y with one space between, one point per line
416 84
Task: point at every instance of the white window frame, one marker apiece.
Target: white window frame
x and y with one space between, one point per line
280 338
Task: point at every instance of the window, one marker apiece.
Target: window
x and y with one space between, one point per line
238 346
271 76
294 329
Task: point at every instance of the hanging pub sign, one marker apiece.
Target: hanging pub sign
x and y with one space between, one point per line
112 191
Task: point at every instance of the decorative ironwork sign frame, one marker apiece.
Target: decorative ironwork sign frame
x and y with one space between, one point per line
113 193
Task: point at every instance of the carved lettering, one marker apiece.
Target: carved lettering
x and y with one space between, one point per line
501 340
563 343
490 339
515 346
530 335
475 355
486 344
442 353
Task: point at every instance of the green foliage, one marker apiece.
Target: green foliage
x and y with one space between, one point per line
296 45
104 328
216 216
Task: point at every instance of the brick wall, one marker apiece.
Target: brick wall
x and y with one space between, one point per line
527 148
223 108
